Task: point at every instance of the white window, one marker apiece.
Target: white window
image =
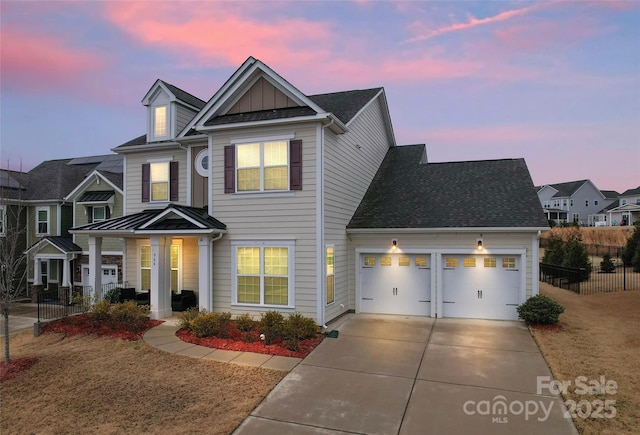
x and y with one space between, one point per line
264 274
262 166
159 181
145 267
571 202
545 204
160 121
174 265
42 220
623 202
330 263
575 217
3 220
202 163
586 203
99 213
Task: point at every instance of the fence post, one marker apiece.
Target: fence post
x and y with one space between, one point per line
624 276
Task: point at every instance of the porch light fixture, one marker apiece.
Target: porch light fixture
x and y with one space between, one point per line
394 244
480 247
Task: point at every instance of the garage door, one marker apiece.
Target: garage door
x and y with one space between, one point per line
481 286
395 284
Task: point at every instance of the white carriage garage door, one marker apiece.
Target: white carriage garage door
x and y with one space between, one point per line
481 286
395 284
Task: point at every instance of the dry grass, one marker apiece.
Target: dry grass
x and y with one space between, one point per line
600 336
101 385
602 236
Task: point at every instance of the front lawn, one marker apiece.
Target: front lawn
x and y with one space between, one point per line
599 336
87 384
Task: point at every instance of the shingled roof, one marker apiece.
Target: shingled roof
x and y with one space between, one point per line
54 179
184 96
345 105
475 194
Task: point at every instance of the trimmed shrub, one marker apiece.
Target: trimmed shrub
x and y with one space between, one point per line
297 327
101 310
129 313
245 323
209 324
271 325
540 310
606 265
186 316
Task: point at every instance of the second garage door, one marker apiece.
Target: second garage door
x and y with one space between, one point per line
482 287
395 284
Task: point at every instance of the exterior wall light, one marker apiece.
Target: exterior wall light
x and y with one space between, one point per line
480 246
394 244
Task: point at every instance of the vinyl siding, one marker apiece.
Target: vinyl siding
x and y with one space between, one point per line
348 173
435 242
32 224
288 216
183 117
82 218
134 162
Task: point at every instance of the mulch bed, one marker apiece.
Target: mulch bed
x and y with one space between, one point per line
238 343
84 324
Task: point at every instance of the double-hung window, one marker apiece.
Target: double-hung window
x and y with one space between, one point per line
174 266
160 181
98 213
42 220
263 274
160 121
263 166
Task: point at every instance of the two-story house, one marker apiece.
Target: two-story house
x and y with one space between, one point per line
573 201
628 210
247 200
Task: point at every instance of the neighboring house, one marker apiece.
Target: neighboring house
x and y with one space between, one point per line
246 198
51 191
601 218
573 201
628 210
13 216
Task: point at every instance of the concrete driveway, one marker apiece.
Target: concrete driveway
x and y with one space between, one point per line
412 375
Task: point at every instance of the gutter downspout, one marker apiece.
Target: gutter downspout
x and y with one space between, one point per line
320 228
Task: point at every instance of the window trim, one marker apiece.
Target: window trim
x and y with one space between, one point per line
147 243
48 222
262 167
329 275
262 244
154 120
93 213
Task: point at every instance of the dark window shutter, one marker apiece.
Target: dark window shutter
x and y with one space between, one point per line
90 214
229 169
146 181
295 165
173 181
107 212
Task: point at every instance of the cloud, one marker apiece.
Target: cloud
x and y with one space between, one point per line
33 62
426 34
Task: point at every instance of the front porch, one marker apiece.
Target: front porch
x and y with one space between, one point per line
167 250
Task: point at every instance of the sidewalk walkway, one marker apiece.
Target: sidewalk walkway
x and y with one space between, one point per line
164 338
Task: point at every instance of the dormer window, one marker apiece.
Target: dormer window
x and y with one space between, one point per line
160 122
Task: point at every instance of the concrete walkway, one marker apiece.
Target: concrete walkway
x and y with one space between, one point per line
411 375
164 338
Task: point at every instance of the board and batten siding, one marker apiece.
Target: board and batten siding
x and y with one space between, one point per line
267 216
134 162
435 242
199 184
351 161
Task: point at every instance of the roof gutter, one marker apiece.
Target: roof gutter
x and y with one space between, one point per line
146 147
445 230
330 118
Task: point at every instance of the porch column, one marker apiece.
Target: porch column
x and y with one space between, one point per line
65 272
95 268
205 280
160 296
37 278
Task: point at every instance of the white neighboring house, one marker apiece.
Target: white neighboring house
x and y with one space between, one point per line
628 210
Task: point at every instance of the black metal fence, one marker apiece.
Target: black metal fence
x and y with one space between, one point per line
63 302
621 278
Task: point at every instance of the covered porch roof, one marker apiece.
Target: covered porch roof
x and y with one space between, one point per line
173 219
62 244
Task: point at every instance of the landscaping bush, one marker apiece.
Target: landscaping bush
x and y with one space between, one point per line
631 252
297 327
208 324
554 252
186 316
540 310
271 325
129 313
606 265
113 295
101 310
575 255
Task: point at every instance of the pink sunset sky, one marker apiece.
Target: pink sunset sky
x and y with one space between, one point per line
557 83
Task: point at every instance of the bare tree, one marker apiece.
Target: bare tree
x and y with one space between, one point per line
13 262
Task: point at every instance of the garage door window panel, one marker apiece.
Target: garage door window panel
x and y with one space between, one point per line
451 262
404 261
509 263
469 262
490 262
369 261
385 261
